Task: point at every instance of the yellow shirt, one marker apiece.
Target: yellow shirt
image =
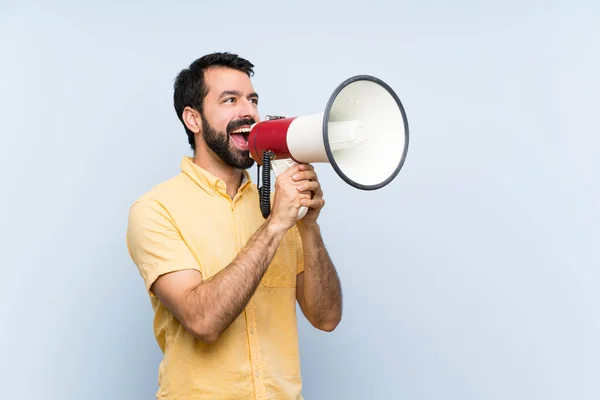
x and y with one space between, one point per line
189 222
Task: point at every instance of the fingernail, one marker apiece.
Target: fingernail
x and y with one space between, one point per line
295 176
299 188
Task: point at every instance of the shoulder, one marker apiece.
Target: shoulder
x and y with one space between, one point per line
153 210
150 216
160 194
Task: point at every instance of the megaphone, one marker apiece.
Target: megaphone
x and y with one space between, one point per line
363 134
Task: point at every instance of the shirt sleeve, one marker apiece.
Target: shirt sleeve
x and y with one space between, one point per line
154 243
299 252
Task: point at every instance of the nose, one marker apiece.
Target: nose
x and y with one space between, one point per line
248 110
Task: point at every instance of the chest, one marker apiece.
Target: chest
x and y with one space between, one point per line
216 228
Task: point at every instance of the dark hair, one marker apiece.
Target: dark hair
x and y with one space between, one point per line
190 88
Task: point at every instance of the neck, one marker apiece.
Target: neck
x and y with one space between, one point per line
211 163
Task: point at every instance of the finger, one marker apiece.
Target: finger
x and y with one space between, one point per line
300 198
289 172
282 179
305 167
305 196
297 168
309 175
310 186
316 203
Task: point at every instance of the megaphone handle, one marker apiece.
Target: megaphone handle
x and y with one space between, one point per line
279 167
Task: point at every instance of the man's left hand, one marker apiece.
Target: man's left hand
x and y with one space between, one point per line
308 183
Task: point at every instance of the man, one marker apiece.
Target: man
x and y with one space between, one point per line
222 280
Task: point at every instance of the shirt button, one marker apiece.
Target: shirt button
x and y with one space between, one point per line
251 330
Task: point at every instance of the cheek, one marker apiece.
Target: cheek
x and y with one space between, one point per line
218 121
221 125
223 119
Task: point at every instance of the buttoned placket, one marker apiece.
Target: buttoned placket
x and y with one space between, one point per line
250 310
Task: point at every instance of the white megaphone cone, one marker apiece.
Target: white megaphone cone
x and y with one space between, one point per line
363 134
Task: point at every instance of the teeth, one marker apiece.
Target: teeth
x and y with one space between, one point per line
242 130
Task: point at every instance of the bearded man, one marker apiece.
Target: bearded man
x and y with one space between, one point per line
222 280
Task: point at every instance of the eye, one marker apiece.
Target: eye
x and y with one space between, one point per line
255 101
229 100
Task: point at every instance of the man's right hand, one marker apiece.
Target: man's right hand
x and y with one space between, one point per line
287 198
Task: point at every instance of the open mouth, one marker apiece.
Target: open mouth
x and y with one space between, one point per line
240 137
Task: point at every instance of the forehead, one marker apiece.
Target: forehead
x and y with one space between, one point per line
220 79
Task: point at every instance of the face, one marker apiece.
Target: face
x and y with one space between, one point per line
230 108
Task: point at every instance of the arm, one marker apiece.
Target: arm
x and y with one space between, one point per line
318 291
207 307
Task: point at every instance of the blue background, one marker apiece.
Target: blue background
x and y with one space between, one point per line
474 275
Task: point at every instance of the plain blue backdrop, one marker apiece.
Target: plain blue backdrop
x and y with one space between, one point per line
474 275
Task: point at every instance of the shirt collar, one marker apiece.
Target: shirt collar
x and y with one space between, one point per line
207 181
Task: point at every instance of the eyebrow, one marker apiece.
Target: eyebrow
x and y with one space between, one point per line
236 93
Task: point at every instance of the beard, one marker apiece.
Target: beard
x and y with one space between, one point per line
219 143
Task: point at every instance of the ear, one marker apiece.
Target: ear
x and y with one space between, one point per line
192 119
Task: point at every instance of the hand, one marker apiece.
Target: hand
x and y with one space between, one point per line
308 184
294 188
